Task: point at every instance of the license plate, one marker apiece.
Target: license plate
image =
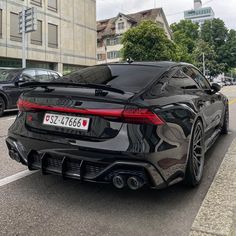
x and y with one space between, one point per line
72 122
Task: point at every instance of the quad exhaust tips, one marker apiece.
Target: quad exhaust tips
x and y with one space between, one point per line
133 182
14 155
119 181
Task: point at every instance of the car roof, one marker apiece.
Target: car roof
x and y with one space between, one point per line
162 64
40 69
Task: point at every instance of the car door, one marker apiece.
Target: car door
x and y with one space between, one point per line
216 106
200 97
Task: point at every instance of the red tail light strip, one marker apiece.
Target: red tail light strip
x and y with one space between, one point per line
140 115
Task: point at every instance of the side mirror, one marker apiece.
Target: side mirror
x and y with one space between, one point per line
21 79
215 87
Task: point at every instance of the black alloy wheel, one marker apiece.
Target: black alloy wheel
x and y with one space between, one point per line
196 159
225 127
2 106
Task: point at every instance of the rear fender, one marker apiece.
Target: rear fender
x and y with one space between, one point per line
5 98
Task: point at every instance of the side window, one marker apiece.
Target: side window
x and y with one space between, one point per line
42 76
29 75
53 76
182 79
200 79
173 82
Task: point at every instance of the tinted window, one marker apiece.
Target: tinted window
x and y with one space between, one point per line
53 76
200 79
42 76
182 79
8 75
28 75
130 78
31 73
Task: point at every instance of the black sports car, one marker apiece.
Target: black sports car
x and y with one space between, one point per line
10 79
131 124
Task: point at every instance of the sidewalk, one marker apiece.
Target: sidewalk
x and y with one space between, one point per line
217 215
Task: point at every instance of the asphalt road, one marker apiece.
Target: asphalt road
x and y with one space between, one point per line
48 205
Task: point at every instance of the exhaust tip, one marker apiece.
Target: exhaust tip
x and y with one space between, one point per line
14 155
135 183
119 181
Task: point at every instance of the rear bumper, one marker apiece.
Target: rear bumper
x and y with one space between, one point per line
84 165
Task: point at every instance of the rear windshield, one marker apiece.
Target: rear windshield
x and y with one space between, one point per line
8 75
129 78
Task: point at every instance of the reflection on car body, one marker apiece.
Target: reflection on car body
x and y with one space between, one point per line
10 79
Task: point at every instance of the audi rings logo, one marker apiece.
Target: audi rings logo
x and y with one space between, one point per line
65 102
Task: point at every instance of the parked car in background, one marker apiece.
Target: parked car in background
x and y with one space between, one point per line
128 124
221 84
10 79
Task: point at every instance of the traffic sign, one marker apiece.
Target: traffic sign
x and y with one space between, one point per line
28 20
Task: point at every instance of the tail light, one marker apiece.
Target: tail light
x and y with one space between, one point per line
141 116
128 115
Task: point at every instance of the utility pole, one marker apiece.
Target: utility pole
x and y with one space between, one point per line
27 24
203 64
23 39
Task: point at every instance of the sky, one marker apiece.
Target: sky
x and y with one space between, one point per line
224 9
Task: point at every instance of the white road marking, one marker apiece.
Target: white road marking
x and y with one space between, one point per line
15 177
12 118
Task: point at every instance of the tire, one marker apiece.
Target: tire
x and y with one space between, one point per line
196 159
225 126
2 106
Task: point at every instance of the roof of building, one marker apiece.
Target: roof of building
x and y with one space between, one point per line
107 27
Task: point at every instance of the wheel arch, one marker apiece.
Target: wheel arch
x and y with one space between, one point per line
197 118
5 99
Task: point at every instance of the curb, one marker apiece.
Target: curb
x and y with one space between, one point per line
217 214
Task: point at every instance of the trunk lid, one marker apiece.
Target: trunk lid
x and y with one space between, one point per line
100 113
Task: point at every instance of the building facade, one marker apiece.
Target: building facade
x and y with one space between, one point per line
109 32
65 38
199 14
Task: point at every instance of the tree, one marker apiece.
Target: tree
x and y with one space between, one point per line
227 52
214 32
210 55
147 42
185 33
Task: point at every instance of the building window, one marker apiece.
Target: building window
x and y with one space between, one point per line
113 41
37 2
52 36
101 57
0 23
113 55
52 5
14 28
36 36
121 26
99 44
